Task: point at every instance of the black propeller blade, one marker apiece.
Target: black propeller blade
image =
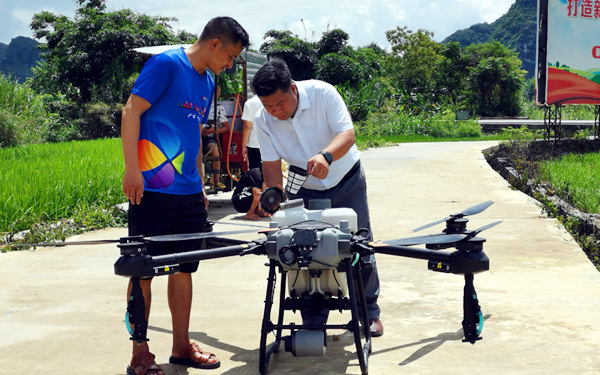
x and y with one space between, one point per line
56 244
431 239
241 224
439 239
194 236
469 211
485 227
165 238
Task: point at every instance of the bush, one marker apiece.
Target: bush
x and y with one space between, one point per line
9 133
98 121
24 115
368 97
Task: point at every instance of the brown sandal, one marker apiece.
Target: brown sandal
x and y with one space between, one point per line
186 358
142 363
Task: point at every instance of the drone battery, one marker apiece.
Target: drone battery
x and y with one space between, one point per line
306 343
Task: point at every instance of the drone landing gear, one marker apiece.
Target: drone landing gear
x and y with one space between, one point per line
305 340
472 316
136 313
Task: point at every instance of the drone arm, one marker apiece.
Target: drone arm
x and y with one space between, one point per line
214 242
196 255
457 262
403 251
147 266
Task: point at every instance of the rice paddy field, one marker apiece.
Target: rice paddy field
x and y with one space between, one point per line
47 182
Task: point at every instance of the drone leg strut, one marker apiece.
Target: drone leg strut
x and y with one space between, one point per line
136 312
267 326
362 352
472 316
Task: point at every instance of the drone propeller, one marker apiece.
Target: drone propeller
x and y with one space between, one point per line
59 244
485 227
164 238
439 239
469 211
240 224
194 236
431 239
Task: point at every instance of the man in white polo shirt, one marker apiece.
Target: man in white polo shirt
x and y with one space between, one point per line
307 124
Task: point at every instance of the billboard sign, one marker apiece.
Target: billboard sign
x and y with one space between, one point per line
568 52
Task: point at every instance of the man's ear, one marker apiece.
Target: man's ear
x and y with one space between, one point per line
214 44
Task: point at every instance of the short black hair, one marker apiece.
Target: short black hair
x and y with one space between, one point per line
227 30
272 76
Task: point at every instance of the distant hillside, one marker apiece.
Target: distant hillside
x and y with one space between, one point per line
18 57
516 30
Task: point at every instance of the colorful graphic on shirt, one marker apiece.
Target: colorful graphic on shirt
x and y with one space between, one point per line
159 163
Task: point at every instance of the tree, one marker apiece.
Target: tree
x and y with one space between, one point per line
348 65
452 72
88 58
332 41
299 55
495 79
412 64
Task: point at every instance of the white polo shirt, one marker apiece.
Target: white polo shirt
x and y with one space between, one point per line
250 108
321 115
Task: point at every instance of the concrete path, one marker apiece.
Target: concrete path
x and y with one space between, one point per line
62 309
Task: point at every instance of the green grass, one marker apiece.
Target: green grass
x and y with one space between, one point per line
49 182
576 177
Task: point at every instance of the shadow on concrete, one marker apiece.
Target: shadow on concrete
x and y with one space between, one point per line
432 344
336 361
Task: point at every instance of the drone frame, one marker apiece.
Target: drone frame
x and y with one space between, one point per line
467 260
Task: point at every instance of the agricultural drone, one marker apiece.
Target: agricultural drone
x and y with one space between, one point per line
316 252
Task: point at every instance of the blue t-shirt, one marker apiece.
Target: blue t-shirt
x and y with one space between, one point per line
169 140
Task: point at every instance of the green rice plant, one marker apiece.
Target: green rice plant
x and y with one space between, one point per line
575 177
48 182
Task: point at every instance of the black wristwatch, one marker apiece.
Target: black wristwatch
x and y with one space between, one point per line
327 155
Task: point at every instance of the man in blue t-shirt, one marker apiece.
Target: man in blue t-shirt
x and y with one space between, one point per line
161 147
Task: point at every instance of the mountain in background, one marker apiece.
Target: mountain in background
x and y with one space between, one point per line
18 57
516 30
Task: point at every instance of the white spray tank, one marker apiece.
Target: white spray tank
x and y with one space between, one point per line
293 212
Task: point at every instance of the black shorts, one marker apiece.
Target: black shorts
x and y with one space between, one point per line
160 214
207 143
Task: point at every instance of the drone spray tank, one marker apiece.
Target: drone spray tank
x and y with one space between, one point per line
310 244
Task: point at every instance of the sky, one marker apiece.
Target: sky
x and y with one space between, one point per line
366 21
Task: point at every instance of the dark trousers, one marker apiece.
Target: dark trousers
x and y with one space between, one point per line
254 158
351 192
